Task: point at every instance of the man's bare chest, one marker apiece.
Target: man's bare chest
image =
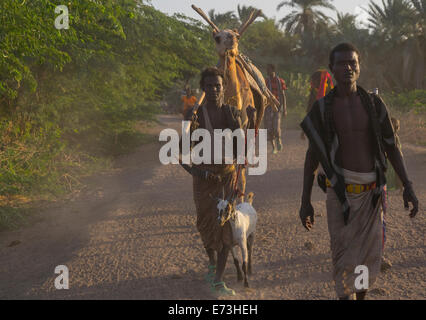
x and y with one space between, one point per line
350 116
216 118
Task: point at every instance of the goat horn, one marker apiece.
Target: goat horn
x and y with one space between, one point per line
204 16
253 16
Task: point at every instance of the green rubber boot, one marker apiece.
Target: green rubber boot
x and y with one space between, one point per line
220 289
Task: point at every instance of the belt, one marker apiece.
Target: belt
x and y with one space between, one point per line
355 188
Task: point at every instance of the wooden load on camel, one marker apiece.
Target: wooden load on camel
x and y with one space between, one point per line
244 84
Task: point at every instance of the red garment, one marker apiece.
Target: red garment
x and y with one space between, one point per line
325 81
273 86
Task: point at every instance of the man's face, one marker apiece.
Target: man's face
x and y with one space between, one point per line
213 88
271 72
345 67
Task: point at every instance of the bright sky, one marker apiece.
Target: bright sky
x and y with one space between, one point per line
269 7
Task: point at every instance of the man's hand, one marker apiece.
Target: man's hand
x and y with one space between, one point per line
306 214
410 196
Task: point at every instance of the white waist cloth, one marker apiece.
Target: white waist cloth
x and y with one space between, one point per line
359 177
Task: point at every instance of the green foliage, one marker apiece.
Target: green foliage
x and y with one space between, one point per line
414 100
71 97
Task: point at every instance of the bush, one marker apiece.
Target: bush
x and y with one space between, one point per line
69 99
414 100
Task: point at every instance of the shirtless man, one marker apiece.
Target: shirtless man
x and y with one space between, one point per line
351 135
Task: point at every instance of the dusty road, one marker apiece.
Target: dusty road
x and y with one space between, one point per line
133 236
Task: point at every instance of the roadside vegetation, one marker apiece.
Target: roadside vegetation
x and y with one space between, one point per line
71 99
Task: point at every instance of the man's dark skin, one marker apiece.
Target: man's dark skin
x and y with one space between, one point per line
213 88
354 132
272 74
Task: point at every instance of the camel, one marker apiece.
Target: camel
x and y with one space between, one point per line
243 82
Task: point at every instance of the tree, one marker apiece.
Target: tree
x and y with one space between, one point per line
227 20
244 13
391 21
303 20
398 27
418 39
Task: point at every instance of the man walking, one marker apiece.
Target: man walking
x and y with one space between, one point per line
273 118
350 134
220 182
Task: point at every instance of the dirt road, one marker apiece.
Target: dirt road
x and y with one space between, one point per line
133 236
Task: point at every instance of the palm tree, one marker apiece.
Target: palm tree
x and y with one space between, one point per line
244 12
399 27
227 20
345 23
303 20
418 37
392 20
420 7
346 30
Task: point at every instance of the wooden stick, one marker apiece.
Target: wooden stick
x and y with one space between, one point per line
204 16
249 21
243 26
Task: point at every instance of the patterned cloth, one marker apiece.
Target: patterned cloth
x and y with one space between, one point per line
360 241
321 84
212 235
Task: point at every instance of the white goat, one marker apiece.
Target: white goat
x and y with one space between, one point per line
242 218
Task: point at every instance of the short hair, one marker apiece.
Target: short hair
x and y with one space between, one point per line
270 66
209 72
344 47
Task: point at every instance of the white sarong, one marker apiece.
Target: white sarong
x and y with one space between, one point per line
360 241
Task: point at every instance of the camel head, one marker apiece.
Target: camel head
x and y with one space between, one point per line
226 41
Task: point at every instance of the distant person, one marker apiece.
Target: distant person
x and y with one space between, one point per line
188 100
321 84
351 135
273 118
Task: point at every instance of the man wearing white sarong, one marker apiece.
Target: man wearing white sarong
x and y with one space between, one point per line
350 134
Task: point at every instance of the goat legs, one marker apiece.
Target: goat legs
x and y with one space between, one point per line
250 241
244 252
237 264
